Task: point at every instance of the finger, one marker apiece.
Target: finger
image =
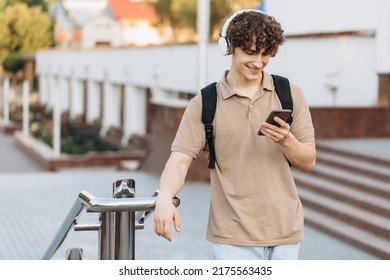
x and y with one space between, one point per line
275 134
177 221
156 227
167 232
158 224
282 123
279 121
269 130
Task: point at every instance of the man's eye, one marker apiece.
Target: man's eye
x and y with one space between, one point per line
250 52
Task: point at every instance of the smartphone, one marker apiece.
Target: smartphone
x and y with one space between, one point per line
284 114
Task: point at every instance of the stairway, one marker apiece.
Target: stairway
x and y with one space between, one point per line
347 195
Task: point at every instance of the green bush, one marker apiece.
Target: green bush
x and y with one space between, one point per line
81 141
13 63
75 140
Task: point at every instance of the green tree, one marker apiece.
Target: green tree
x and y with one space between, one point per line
163 8
219 9
24 29
31 3
185 12
181 14
40 3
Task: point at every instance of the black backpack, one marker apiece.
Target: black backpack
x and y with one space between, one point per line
209 103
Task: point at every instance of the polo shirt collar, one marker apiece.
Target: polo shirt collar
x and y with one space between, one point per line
267 82
229 92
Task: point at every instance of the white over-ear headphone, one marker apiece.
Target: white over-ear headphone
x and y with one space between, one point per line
223 42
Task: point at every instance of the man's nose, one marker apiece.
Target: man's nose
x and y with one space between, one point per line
258 61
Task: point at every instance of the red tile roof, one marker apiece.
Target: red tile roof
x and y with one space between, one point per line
132 9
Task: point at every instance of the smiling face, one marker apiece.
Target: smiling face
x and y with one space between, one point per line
254 38
248 65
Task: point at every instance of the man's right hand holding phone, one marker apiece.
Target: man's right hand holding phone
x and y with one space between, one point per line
275 126
275 133
301 155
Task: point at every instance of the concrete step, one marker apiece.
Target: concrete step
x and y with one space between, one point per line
347 195
367 201
361 166
358 237
352 215
352 179
359 155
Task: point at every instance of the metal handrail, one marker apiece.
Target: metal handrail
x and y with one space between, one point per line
98 204
103 205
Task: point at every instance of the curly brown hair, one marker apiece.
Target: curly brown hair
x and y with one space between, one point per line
251 25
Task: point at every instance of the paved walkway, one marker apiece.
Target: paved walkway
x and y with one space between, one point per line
34 203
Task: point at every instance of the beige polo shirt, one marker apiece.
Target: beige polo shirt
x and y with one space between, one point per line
254 201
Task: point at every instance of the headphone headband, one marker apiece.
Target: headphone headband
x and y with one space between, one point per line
227 22
223 42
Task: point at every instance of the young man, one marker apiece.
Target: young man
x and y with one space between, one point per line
255 212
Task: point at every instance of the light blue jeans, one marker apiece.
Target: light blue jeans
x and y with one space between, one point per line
233 252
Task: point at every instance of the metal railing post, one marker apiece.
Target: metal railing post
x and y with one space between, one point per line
106 236
124 228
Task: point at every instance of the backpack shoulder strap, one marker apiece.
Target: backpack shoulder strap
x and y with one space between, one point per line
209 104
283 90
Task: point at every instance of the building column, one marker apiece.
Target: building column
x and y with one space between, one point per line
55 103
134 112
93 102
111 110
203 23
43 88
51 93
6 93
76 98
63 84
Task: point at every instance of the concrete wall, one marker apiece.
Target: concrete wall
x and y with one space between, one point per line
333 70
315 64
322 16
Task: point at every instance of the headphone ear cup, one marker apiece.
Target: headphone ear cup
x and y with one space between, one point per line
223 45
